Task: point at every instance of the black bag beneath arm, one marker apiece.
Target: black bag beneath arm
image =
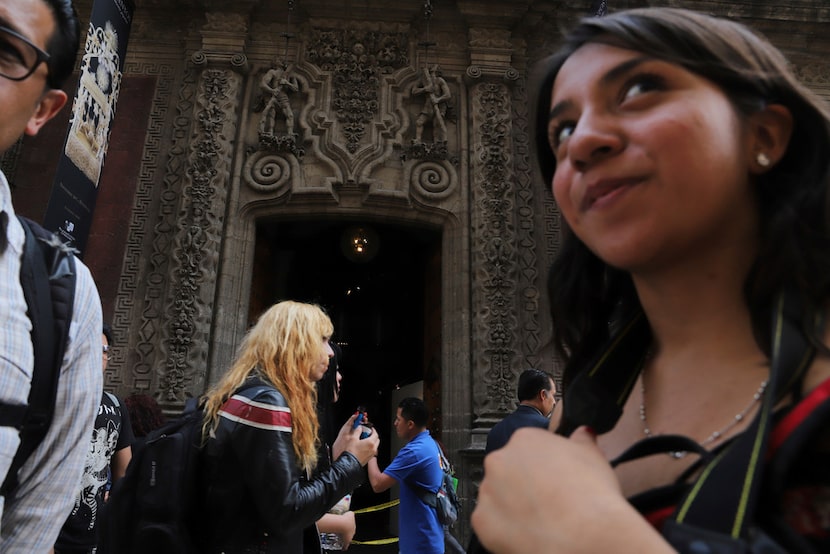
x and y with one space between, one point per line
445 501
155 507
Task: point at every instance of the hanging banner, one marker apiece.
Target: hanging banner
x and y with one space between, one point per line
75 188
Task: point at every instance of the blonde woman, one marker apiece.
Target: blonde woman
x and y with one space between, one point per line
262 432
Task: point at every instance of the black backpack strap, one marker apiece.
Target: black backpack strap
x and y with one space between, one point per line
47 276
596 397
660 444
429 498
720 507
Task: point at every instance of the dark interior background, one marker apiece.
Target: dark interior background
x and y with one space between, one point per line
377 307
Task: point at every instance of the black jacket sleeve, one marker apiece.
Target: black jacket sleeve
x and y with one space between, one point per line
261 459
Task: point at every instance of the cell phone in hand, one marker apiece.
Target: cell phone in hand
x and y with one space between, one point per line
361 415
360 420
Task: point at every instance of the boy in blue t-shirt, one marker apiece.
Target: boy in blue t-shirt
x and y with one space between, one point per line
416 465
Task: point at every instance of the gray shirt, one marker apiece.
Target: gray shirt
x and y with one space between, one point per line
51 476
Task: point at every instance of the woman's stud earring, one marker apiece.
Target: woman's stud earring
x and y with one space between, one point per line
762 159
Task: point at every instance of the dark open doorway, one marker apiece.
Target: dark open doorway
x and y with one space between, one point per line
385 307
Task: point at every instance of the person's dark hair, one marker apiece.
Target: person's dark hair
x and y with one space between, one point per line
325 397
531 381
327 385
588 297
145 414
64 43
415 410
107 332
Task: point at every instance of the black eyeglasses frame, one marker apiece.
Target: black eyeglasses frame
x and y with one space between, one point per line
42 57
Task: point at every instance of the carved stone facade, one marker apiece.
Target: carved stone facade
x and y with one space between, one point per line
209 172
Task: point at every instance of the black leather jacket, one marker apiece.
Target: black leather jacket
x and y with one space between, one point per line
258 500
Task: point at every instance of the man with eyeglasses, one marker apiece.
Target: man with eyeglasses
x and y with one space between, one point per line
39 42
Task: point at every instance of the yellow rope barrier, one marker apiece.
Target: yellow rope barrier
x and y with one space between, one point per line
377 542
377 508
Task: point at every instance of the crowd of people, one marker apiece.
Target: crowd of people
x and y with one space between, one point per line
689 300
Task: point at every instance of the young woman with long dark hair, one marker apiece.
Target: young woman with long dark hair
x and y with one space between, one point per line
691 170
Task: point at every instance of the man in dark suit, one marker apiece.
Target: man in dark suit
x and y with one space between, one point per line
536 392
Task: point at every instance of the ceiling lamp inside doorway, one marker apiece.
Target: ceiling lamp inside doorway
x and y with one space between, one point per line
359 243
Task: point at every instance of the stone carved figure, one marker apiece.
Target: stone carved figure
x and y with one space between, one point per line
275 86
437 96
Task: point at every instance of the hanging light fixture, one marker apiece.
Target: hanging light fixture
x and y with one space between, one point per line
359 243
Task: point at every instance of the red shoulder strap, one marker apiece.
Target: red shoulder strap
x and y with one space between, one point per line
797 415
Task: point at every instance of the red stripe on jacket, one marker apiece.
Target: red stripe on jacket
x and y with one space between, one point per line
257 414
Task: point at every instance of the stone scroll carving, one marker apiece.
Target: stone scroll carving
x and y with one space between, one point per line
431 182
357 59
335 108
269 172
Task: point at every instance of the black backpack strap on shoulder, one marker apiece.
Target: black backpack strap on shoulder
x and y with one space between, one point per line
429 498
596 397
446 465
660 444
719 510
47 276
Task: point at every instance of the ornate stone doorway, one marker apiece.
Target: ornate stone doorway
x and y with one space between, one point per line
381 284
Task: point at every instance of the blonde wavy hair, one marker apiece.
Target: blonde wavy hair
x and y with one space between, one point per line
281 348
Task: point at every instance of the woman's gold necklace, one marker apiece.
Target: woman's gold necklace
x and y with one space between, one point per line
739 417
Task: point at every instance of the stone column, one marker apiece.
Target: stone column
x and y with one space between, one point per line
220 65
505 278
